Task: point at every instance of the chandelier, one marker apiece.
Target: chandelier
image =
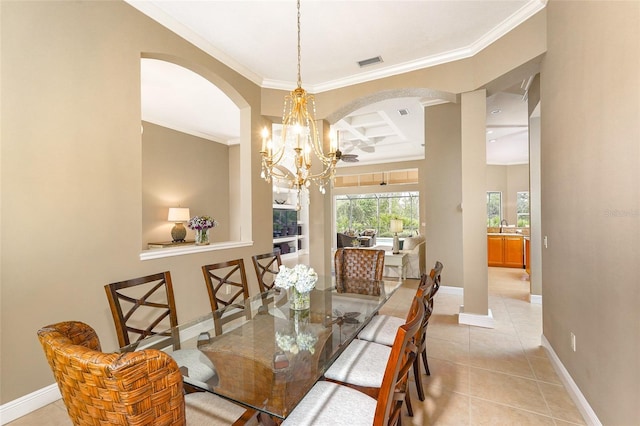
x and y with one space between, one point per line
286 159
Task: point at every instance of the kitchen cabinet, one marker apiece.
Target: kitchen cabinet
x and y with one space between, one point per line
527 255
505 250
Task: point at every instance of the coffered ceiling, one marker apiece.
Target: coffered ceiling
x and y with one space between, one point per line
258 40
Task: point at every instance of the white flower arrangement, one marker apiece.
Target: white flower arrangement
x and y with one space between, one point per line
300 277
302 341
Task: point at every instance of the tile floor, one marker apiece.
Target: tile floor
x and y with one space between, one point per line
479 376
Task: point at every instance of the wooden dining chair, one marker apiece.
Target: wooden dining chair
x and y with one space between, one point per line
267 266
358 263
132 388
228 289
145 306
381 329
329 403
436 276
361 364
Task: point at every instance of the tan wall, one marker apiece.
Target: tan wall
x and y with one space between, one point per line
590 160
187 171
72 175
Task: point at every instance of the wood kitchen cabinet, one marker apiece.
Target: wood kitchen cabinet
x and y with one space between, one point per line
505 251
527 255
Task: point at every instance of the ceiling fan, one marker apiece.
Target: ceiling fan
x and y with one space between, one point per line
349 158
346 156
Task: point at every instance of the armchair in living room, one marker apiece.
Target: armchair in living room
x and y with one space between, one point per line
368 237
345 240
416 250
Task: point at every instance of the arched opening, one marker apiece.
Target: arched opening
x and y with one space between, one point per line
194 154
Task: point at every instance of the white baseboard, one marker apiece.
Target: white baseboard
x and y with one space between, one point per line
477 320
535 299
578 398
28 403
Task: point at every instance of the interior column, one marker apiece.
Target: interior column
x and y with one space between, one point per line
475 310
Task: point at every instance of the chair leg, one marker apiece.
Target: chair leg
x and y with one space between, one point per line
426 364
407 401
418 378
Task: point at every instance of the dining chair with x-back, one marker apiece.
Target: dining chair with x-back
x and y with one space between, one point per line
267 266
145 306
228 289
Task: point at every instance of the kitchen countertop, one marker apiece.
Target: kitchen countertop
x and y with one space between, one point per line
506 234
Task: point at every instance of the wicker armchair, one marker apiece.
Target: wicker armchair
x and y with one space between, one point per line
134 388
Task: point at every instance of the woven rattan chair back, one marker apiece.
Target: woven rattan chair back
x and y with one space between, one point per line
267 266
142 307
396 376
358 263
227 287
134 388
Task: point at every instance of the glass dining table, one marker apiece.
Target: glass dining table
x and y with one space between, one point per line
270 355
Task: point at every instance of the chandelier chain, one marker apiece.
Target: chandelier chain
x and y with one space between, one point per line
299 49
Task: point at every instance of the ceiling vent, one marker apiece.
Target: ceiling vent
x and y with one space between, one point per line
370 61
403 112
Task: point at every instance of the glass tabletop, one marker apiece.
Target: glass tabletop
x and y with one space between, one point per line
268 355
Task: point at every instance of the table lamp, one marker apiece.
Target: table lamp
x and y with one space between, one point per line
178 215
395 226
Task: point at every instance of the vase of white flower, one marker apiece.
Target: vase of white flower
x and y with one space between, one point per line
299 301
201 225
299 281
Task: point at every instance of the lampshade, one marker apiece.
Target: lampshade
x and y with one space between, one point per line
395 225
178 214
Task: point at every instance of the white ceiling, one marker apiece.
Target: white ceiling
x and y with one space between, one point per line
258 39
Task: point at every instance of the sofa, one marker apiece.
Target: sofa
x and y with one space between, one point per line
416 249
366 239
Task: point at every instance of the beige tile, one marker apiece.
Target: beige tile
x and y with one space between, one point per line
532 347
501 360
447 350
493 338
449 330
563 423
446 375
441 409
492 414
54 414
544 371
560 403
507 389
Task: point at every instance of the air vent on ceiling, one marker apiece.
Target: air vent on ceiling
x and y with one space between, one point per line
403 111
370 61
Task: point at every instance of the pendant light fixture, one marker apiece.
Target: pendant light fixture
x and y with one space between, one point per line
287 159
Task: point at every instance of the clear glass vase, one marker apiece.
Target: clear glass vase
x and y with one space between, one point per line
202 237
299 301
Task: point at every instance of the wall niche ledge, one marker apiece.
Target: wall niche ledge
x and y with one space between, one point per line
179 251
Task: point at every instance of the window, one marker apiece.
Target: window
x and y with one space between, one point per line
522 209
494 208
358 212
